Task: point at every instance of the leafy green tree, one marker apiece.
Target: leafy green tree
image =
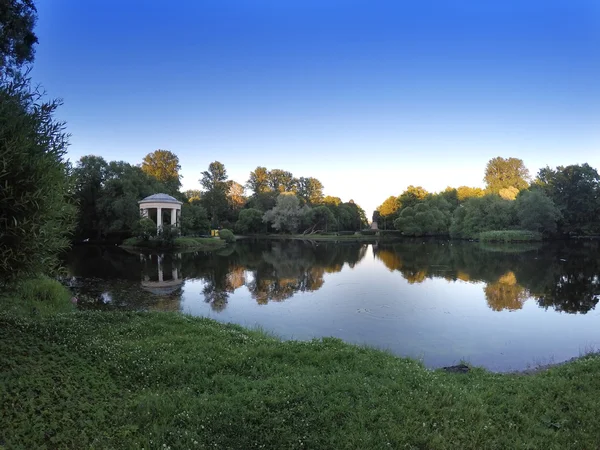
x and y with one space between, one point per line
281 181
487 213
501 173
537 212
193 195
464 193
250 221
320 218
411 196
258 182
263 200
214 198
88 176
17 39
164 166
117 206
227 235
235 197
329 200
287 215
575 190
34 212
310 190
423 219
194 219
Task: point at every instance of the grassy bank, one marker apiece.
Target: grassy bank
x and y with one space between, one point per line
188 243
510 236
165 380
330 237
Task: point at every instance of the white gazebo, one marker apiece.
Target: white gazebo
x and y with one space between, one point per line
161 203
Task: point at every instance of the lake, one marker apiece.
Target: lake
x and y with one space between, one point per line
503 307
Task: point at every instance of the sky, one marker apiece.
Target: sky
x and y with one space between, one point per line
367 96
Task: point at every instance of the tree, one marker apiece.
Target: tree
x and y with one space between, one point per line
487 213
411 196
214 182
329 200
258 182
464 193
194 219
281 181
310 190
88 179
287 214
389 207
164 166
193 195
320 219
501 173
575 190
509 193
250 221
34 213
235 196
17 39
537 212
423 219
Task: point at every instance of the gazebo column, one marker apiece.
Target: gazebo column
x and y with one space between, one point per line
173 216
158 218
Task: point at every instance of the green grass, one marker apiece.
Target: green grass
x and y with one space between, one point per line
165 380
510 236
190 243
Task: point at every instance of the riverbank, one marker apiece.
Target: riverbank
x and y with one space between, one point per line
181 243
80 379
329 237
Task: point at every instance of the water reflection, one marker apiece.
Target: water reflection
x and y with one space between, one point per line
561 276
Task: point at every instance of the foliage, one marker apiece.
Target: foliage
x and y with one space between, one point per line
164 166
194 219
281 181
287 214
17 39
320 218
411 196
368 232
389 206
180 243
310 190
575 190
227 235
145 229
509 193
502 173
331 201
167 234
127 379
250 221
34 214
214 197
537 212
486 213
193 195
464 193
258 182
510 236
424 219
346 233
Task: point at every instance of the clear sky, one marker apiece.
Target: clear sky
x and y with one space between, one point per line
368 96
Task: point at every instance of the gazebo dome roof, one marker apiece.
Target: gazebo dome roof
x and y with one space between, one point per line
160 198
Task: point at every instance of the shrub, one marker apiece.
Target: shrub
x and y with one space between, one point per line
167 235
250 221
227 235
145 228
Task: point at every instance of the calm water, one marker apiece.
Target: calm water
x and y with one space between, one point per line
502 307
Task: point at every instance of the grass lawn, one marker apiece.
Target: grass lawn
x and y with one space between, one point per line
190 243
165 380
510 236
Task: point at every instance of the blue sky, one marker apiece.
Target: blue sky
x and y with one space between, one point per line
368 96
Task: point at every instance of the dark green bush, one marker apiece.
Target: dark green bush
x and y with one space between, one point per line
227 235
167 235
145 228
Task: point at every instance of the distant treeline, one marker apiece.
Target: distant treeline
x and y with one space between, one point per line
106 195
559 202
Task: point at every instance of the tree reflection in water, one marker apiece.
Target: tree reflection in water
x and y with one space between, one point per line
563 275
